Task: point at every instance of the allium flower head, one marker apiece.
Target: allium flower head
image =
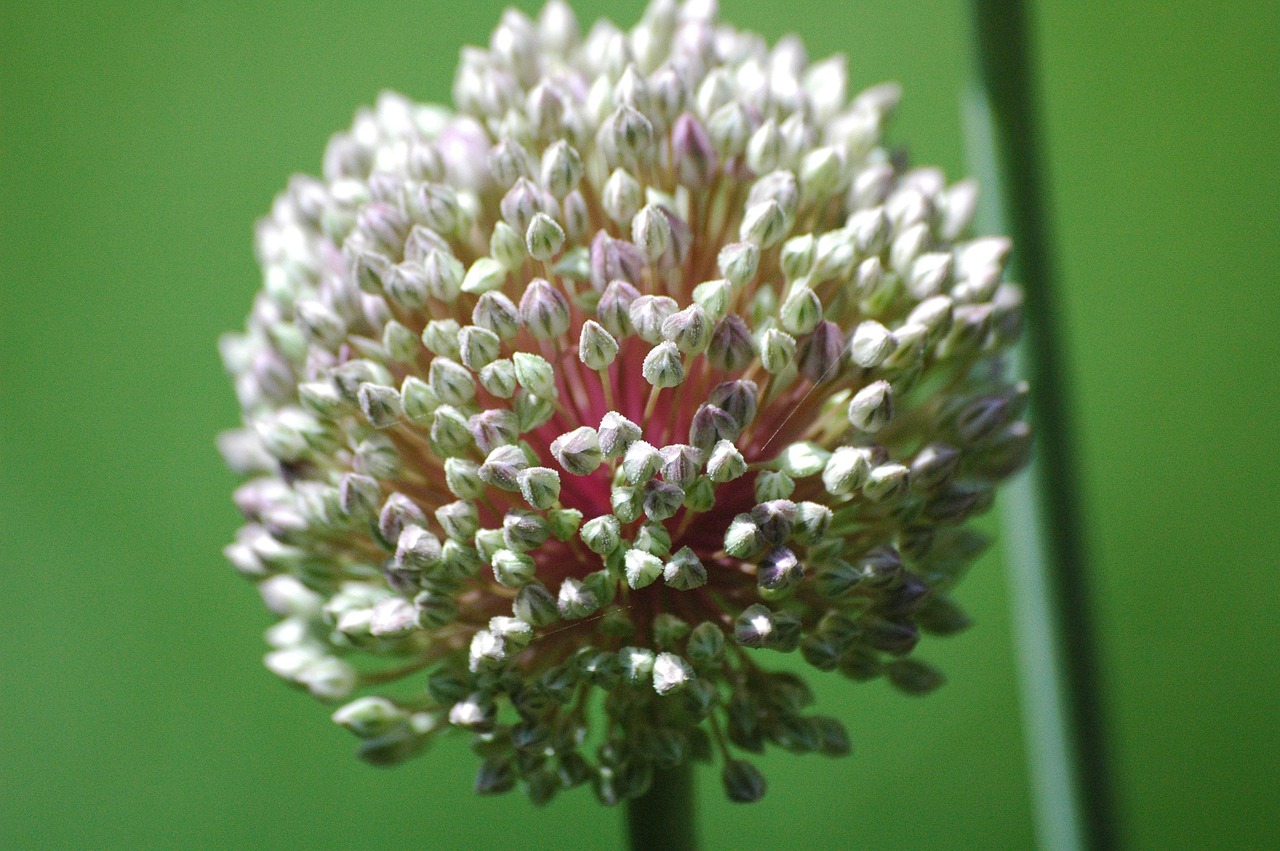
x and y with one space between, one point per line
566 408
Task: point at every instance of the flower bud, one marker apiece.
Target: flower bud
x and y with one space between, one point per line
777 350
662 500
616 434
561 168
578 451
651 231
544 310
670 673
484 275
684 571
621 197
692 153
596 347
602 534
614 309
872 407
801 311
642 568
690 329
886 482
725 462
477 346
512 569
662 366
544 239
381 405
507 246
498 313
540 486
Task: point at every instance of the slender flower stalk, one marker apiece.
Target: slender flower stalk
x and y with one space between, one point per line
568 407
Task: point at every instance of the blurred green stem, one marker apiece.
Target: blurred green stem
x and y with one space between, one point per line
662 819
1049 583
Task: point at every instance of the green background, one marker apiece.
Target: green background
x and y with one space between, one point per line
138 143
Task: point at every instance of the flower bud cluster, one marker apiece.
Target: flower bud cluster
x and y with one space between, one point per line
566 408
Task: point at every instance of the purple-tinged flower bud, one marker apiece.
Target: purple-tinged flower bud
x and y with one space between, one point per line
614 259
692 152
578 451
819 353
780 570
544 310
732 347
614 309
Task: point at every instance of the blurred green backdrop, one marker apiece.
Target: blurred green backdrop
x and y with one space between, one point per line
138 143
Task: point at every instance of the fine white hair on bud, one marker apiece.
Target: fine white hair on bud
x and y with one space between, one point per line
648 334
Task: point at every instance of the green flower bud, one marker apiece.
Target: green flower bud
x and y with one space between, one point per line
441 338
498 313
502 466
846 470
636 664
911 676
532 411
801 311
886 483
649 313
451 382
701 495
459 520
738 262
670 673
617 434
463 478
564 522
742 539
499 378
512 569
685 570
626 502
651 231
777 350
662 366
689 329
872 407
535 605
772 484
477 346
544 239
642 568
506 247
540 486
797 256
576 601
524 530
596 347
662 500
602 535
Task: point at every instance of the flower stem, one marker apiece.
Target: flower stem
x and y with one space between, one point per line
1043 530
663 817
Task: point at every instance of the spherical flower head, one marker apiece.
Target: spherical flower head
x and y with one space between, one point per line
567 407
